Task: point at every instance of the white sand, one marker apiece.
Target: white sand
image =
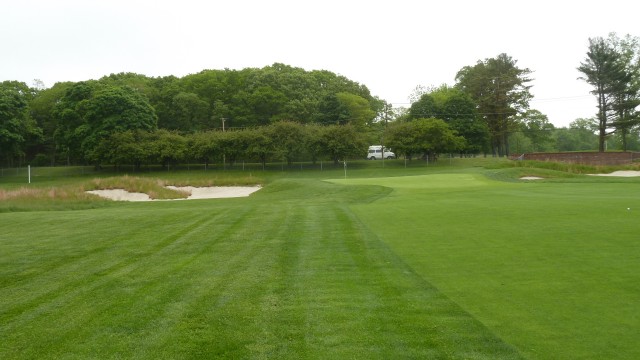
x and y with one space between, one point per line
213 192
120 195
217 192
622 173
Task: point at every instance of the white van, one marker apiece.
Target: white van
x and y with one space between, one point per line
375 153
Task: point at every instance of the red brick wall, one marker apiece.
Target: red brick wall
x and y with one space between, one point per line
589 158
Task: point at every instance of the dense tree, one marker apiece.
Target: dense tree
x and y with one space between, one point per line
427 137
627 100
189 113
500 91
165 148
536 126
340 142
260 144
90 111
16 125
42 107
458 110
205 146
288 139
579 136
357 108
131 147
612 71
401 137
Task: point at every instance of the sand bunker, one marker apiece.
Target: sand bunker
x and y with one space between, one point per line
213 192
622 173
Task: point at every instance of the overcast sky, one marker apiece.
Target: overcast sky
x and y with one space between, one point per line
389 46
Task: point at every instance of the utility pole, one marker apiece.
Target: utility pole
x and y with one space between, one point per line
386 114
224 156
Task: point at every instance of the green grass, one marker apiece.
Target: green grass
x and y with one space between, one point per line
437 262
551 268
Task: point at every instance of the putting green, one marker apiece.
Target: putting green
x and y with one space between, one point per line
551 268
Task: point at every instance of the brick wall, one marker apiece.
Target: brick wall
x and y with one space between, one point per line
588 158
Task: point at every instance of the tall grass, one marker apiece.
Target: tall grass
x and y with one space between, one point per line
67 193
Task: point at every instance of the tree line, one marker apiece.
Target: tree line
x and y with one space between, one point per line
486 111
282 141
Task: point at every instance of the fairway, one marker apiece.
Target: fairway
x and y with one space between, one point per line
430 266
551 268
287 273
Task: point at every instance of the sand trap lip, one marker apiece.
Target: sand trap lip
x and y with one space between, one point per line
531 178
212 192
621 173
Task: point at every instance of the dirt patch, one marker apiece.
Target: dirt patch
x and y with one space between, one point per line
213 192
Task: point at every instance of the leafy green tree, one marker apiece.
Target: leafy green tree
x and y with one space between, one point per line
500 91
259 144
428 137
161 97
425 107
266 104
165 147
579 136
234 145
205 146
315 145
341 142
402 138
330 112
219 115
42 108
536 127
189 113
357 108
458 110
345 108
90 112
16 126
254 97
125 148
288 139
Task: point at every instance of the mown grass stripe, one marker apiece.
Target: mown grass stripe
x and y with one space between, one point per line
82 294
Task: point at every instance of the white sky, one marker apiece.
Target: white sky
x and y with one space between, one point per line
389 46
